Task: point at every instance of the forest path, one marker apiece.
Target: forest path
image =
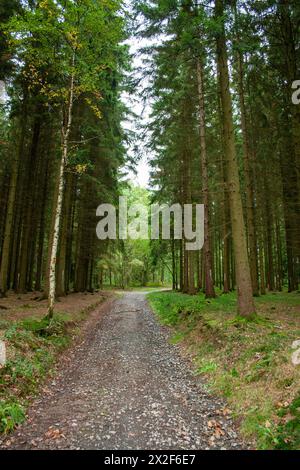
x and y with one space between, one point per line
126 387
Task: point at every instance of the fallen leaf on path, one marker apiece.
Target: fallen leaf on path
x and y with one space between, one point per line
217 428
219 432
54 434
212 423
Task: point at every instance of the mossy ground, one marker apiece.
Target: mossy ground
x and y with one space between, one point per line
248 362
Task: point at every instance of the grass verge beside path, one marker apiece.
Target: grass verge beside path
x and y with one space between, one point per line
249 363
33 346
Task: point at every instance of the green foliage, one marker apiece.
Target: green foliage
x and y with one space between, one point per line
11 415
207 367
58 39
133 262
45 45
288 432
177 337
172 307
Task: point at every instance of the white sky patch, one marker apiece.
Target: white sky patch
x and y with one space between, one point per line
142 110
3 94
136 104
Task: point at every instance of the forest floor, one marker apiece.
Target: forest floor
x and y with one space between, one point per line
124 386
18 307
33 346
248 363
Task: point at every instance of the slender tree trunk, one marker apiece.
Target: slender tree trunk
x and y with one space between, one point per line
243 276
173 262
66 128
247 175
62 263
225 218
181 266
269 246
4 270
262 266
188 255
199 270
7 231
209 285
279 276
289 188
4 184
69 265
40 251
28 232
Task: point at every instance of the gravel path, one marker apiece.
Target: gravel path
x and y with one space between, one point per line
126 387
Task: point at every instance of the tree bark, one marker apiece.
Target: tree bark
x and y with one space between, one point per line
66 128
209 285
10 210
243 276
250 216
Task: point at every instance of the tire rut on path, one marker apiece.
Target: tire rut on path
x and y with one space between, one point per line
125 387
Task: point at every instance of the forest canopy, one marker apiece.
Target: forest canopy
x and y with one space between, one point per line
223 131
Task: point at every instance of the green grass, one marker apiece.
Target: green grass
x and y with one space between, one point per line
288 432
11 415
33 345
289 299
248 362
172 307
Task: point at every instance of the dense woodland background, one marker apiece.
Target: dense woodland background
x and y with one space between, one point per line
223 132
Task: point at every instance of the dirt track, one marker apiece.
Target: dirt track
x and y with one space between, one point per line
125 387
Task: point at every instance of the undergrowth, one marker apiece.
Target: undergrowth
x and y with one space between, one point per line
248 362
32 347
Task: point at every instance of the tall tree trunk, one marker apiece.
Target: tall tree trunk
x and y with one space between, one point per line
181 266
269 235
262 265
291 71
4 269
66 128
209 285
247 166
173 262
279 270
69 265
41 238
225 218
66 220
28 231
243 276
